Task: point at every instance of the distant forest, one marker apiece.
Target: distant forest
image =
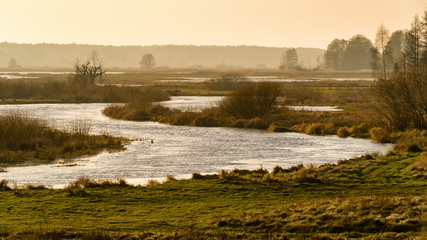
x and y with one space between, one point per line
64 55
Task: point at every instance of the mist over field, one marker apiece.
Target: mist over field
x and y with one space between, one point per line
62 55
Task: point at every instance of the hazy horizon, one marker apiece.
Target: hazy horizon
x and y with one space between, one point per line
268 23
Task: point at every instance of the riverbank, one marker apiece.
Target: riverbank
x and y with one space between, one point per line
366 197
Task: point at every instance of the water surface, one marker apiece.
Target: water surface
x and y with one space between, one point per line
177 150
198 103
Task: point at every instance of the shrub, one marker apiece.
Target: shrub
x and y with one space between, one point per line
4 185
380 135
197 176
408 142
316 129
182 118
252 100
257 123
240 123
360 129
343 132
274 128
277 170
205 121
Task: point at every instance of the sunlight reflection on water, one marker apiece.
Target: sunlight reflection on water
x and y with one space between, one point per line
177 150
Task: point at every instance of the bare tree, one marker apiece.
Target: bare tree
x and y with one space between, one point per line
147 61
381 40
88 72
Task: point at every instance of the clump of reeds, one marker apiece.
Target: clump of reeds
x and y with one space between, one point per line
86 182
152 182
80 186
27 139
380 135
294 174
343 132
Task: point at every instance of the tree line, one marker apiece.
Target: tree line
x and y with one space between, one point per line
62 55
399 61
353 54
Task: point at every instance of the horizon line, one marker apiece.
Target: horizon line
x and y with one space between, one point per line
171 44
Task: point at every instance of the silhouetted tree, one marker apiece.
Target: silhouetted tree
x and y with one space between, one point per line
394 49
424 36
334 54
88 72
289 60
13 63
402 99
413 46
358 53
147 61
379 58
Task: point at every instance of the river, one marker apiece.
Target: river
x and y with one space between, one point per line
176 150
198 103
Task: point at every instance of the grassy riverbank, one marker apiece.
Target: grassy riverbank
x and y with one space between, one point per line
371 197
32 141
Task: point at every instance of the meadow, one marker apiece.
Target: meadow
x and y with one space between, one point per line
368 197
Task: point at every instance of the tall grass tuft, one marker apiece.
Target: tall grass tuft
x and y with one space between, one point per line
380 135
4 185
343 132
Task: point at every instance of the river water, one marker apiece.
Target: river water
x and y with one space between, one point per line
176 150
198 103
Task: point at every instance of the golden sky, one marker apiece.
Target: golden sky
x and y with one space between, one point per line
278 23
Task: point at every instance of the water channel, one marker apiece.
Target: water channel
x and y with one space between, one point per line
176 150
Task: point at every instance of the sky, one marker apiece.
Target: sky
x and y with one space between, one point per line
273 23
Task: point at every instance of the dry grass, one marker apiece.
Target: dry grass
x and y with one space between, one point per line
295 174
152 182
25 139
367 214
380 135
86 182
80 186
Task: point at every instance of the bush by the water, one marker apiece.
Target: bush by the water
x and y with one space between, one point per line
253 100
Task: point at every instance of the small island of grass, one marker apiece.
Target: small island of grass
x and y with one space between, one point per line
24 140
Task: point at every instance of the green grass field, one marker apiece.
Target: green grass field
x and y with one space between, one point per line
368 197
